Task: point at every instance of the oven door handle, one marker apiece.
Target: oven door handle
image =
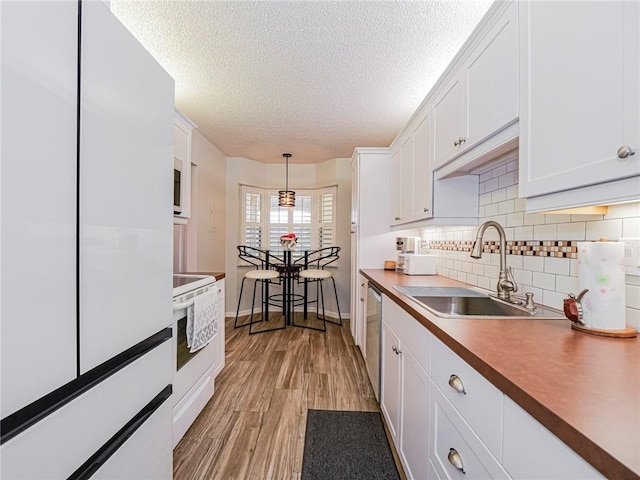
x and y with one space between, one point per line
180 306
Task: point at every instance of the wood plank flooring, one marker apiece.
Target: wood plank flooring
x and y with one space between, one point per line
254 426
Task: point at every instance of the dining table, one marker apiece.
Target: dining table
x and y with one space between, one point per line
288 269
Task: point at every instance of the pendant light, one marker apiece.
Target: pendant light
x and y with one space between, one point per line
286 197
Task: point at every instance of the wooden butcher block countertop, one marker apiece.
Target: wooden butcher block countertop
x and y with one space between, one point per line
583 388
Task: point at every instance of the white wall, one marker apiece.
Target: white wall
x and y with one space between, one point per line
550 278
249 172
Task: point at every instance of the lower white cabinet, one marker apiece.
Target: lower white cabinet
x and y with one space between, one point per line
405 387
532 452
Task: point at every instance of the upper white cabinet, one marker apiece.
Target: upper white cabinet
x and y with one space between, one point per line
580 102
182 133
39 207
411 177
475 112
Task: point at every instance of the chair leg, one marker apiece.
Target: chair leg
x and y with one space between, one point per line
235 324
306 300
335 290
264 311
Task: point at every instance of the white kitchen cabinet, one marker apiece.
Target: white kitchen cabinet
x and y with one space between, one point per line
182 134
372 241
220 335
411 177
580 103
126 133
475 112
39 43
533 452
405 386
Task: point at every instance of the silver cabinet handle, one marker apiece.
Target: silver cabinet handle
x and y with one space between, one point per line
460 141
455 459
425 209
456 384
397 218
396 350
625 151
456 143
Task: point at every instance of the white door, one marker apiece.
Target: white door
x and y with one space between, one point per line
422 170
39 88
449 117
127 122
390 361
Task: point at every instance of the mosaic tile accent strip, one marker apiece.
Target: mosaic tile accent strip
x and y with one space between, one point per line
538 248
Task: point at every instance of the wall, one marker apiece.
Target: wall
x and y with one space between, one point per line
206 229
249 172
552 276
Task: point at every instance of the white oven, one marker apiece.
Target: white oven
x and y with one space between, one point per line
193 373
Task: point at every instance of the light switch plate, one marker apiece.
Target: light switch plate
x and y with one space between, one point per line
631 256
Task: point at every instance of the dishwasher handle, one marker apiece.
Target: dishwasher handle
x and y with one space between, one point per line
375 293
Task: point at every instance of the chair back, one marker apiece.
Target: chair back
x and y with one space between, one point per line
318 258
260 259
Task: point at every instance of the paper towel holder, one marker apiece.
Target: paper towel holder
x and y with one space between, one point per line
573 311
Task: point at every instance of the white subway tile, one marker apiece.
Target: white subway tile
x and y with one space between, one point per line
545 232
512 166
467 267
485 176
457 265
484 199
501 219
534 219
461 277
472 279
535 264
448 264
571 231
586 218
574 265
521 205
515 261
486 283
545 281
553 299
482 188
609 229
478 268
491 271
623 210
499 170
559 266
523 233
498 195
469 235
509 231
512 192
494 258
566 284
507 206
631 228
524 277
632 296
491 185
481 210
515 220
507 179
557 218
632 316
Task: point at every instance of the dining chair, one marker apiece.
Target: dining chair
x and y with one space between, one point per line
263 273
314 270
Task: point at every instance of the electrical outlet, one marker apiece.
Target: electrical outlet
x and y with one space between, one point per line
631 256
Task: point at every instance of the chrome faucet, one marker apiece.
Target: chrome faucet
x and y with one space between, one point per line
506 282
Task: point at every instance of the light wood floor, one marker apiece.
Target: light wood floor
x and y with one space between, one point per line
254 426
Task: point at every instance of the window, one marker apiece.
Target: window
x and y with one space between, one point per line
313 219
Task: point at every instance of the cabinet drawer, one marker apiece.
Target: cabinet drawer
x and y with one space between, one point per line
450 432
410 332
480 404
60 443
531 451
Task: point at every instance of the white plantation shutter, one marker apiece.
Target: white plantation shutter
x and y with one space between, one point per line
313 219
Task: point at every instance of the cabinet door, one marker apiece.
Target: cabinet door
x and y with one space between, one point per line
127 120
390 402
38 200
422 172
396 186
414 434
449 117
407 182
492 80
579 93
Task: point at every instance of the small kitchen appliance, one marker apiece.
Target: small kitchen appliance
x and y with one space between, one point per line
416 264
408 244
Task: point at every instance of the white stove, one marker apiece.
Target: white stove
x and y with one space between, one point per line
193 375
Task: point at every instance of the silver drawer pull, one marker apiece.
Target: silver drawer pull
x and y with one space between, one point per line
455 459
625 151
456 384
396 350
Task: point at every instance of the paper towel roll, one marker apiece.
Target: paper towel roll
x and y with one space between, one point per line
601 271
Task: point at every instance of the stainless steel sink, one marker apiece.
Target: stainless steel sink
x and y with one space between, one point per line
463 302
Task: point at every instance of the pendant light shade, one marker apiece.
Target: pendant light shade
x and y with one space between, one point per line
286 197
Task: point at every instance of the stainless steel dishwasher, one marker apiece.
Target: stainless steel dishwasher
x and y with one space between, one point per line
373 330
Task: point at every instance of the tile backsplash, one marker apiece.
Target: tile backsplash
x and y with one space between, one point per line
541 248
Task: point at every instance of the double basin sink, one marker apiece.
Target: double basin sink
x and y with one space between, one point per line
471 303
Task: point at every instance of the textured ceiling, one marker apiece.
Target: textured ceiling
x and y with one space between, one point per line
314 78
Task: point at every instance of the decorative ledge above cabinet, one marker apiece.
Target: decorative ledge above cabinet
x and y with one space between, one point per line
182 167
580 103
